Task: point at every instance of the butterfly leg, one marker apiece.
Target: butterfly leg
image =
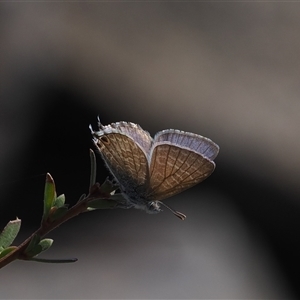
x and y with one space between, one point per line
124 206
121 201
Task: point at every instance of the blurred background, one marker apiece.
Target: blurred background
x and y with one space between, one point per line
227 71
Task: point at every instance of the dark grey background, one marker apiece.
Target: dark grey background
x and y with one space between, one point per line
228 71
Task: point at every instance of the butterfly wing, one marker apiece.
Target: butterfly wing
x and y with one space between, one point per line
134 131
124 158
174 169
188 140
178 159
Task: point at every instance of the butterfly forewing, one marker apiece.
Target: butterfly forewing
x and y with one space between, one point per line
124 158
136 133
174 169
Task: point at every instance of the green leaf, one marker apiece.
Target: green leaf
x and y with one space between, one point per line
82 197
90 209
32 244
93 168
60 201
108 187
118 198
7 250
58 213
45 244
49 196
34 251
101 204
9 233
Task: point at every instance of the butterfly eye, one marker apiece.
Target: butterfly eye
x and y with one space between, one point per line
104 139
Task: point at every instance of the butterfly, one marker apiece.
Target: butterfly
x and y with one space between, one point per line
148 170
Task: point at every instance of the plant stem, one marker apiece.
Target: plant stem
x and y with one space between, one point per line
44 229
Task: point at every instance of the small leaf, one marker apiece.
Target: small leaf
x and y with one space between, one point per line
93 168
49 195
45 244
97 192
58 213
90 209
101 204
9 233
60 201
118 198
7 250
32 244
82 197
108 187
37 249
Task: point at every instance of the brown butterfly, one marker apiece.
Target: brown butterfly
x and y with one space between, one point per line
148 170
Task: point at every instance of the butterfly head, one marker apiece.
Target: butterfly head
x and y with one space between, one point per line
153 207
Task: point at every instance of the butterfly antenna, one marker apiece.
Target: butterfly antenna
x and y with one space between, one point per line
178 214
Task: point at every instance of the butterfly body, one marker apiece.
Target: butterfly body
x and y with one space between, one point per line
148 169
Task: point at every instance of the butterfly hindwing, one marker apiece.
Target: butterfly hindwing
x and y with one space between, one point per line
174 169
188 140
